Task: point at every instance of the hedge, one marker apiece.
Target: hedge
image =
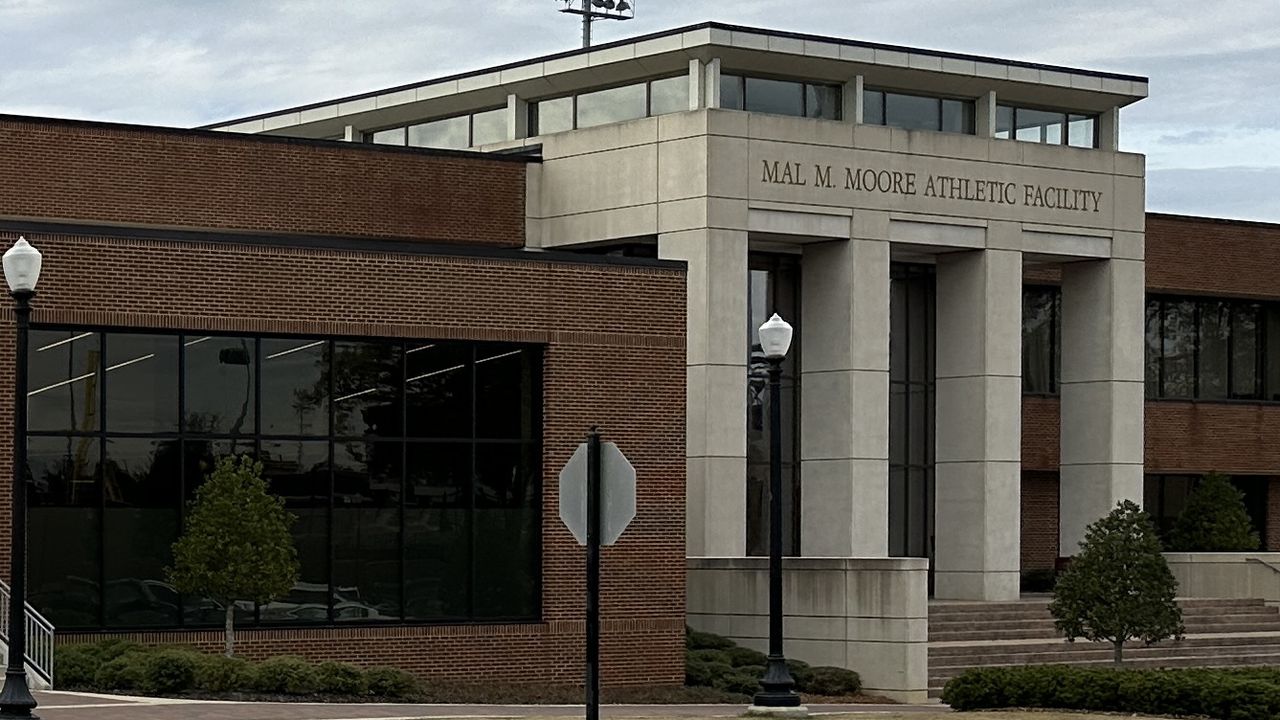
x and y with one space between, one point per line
115 666
715 662
1225 693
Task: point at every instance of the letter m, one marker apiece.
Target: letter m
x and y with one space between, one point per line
770 172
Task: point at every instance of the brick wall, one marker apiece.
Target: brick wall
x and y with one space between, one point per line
1039 520
615 357
119 174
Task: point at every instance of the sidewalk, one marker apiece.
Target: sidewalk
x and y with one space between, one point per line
84 706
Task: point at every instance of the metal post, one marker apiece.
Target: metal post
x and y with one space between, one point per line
586 23
593 575
15 699
778 686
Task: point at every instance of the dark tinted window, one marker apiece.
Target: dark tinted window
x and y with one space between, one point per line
778 97
731 94
872 107
1213 349
1041 335
413 507
917 112
912 112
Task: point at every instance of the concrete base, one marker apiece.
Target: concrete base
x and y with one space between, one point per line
869 615
789 712
1232 576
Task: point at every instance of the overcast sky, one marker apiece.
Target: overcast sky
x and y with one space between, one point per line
1210 129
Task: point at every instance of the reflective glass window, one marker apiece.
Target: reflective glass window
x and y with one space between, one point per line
438 390
391 136
449 133
64 381
1082 131
778 97
367 484
1178 349
731 94
141 377
504 394
489 127
957 116
1244 351
141 483
298 471
1272 356
669 95
437 527
219 384
1004 122
295 387
912 112
873 107
1153 346
552 116
1040 126
613 105
822 101
366 389
1039 339
64 530
1213 336
506 523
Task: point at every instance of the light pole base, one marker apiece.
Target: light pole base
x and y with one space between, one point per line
795 711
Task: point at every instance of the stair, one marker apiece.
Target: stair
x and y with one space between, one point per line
1220 633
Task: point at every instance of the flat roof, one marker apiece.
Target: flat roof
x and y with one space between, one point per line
734 36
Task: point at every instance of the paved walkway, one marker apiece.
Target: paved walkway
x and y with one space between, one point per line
85 706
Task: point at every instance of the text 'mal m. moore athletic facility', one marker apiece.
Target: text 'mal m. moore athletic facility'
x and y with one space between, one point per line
412 303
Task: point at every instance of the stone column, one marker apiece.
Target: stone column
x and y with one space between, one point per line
1102 392
844 385
1109 130
978 424
985 115
716 427
697 86
517 117
711 83
851 94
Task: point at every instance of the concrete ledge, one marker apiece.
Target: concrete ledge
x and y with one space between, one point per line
866 614
1227 575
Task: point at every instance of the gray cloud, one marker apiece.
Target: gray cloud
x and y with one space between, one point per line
1246 193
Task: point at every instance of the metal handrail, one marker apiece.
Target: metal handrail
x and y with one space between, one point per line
39 655
1270 566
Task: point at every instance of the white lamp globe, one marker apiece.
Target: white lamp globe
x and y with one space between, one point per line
775 337
22 266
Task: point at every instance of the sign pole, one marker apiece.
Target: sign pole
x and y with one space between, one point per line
593 575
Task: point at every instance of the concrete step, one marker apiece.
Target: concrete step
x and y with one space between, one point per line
1093 652
940 652
1046 630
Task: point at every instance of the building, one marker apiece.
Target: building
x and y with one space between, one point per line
962 248
364 320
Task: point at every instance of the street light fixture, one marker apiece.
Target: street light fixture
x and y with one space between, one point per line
21 271
592 10
778 693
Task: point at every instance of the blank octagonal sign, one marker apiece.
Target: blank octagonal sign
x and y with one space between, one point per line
617 493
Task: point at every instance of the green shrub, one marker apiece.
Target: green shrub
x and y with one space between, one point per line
833 682
218 673
1224 693
113 648
701 673
286 674
390 682
122 673
801 672
75 665
696 640
740 656
1214 519
168 671
341 679
739 681
710 656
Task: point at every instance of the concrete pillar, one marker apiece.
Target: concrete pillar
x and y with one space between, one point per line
697 86
984 115
844 385
851 94
711 83
978 424
351 134
716 427
1109 130
517 117
1102 392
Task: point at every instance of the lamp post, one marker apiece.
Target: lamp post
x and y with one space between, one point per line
21 271
778 693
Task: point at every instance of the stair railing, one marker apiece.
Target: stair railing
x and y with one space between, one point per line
39 654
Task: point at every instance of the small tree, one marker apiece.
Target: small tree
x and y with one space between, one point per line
1119 587
236 545
1214 520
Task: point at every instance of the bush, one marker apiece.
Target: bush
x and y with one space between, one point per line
390 682
286 674
75 665
709 656
740 681
801 672
1214 520
168 671
696 640
703 673
1228 694
113 648
740 656
341 679
833 682
218 673
122 673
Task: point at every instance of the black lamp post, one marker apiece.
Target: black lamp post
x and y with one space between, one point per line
21 271
778 688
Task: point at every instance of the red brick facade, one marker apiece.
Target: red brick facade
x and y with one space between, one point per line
613 334
1184 256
